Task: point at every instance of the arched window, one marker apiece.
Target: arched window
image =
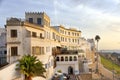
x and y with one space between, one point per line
62 59
75 58
70 58
66 58
57 58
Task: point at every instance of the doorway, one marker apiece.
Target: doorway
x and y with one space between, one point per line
70 70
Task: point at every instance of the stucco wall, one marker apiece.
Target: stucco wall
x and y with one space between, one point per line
9 72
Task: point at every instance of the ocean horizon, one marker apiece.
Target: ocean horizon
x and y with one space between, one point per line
110 51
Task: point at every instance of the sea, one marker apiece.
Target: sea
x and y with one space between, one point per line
110 51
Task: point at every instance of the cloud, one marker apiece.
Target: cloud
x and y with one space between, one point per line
90 16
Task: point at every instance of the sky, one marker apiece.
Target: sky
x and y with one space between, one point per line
92 17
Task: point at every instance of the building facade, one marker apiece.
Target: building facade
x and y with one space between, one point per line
35 36
3 51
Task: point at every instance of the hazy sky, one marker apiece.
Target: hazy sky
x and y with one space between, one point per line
92 17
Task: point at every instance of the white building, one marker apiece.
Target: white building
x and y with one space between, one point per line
35 36
68 63
3 52
30 37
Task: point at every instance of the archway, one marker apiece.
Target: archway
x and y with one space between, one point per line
70 70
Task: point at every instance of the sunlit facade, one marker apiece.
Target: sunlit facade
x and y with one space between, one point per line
35 36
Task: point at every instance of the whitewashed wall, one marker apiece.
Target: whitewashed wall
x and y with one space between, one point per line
9 72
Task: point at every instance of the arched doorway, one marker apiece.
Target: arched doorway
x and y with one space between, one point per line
70 70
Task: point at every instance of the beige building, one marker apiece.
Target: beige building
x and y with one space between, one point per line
31 36
35 36
69 38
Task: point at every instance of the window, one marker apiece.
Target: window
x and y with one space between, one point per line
39 21
69 40
57 58
5 52
75 58
41 35
66 58
68 33
14 51
73 40
13 33
37 50
34 34
70 58
62 59
31 20
72 33
77 34
62 38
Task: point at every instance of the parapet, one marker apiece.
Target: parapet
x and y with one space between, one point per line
37 13
14 22
30 13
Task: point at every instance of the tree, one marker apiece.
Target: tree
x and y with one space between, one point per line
97 38
30 66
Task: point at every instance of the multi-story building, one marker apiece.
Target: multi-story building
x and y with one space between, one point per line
31 36
35 36
3 52
69 38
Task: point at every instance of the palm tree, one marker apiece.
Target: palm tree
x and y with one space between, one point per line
97 38
30 66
